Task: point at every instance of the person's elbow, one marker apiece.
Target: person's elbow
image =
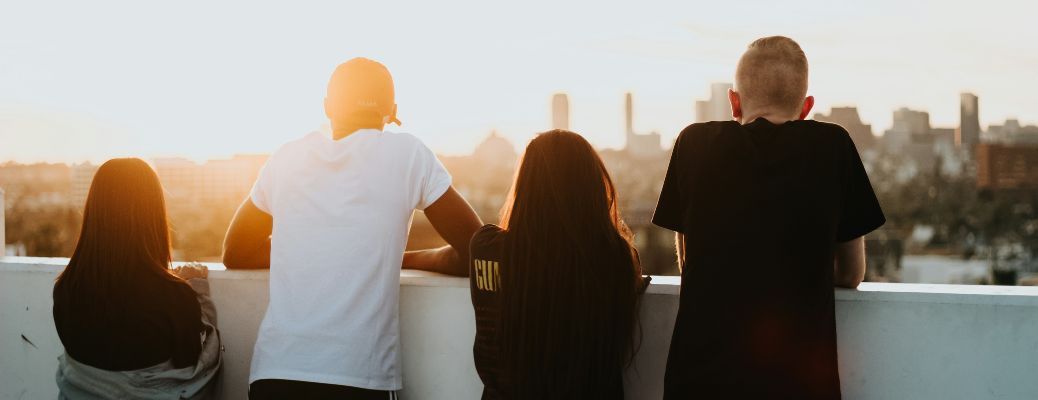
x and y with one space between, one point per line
848 281
235 257
457 265
232 259
849 270
246 245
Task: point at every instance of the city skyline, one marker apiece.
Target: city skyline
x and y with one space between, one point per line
905 122
78 85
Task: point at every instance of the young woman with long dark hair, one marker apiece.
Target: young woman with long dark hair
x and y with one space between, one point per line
556 286
131 327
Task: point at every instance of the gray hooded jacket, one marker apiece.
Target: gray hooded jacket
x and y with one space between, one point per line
78 381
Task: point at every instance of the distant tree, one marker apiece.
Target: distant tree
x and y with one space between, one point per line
45 231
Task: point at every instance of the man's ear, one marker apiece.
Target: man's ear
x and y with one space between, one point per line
809 102
733 97
327 108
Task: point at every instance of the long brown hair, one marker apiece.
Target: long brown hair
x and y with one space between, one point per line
570 292
125 239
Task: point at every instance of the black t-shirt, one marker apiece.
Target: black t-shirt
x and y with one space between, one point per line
762 208
484 283
158 320
485 269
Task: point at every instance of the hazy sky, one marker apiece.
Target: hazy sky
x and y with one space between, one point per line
94 79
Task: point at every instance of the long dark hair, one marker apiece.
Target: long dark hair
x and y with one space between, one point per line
570 292
125 241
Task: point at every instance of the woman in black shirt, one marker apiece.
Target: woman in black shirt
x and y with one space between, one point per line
556 287
117 305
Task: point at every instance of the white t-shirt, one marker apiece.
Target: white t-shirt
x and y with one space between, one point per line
342 210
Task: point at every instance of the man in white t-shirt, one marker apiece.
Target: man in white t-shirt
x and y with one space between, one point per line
329 215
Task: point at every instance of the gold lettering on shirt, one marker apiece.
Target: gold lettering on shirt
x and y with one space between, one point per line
476 273
487 275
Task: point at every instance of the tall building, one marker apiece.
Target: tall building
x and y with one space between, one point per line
181 178
848 118
628 116
82 177
1013 132
716 107
942 138
37 184
229 179
1007 166
638 145
216 180
911 121
560 111
907 124
969 121
926 149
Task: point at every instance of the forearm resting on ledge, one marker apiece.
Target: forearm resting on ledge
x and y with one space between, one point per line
443 260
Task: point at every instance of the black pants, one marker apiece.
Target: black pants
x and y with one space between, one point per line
279 389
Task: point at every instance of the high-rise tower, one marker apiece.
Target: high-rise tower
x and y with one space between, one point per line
848 118
968 134
560 111
629 115
717 107
638 145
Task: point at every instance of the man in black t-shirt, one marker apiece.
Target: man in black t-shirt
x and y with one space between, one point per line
770 212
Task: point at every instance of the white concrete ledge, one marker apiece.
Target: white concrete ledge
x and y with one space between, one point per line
896 341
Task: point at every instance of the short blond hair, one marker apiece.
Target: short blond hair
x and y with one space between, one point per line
772 75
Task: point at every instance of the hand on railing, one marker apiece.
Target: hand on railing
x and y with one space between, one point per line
191 270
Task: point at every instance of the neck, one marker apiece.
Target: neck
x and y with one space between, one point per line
344 129
773 117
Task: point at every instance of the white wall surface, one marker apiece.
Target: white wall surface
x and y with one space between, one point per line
896 341
3 225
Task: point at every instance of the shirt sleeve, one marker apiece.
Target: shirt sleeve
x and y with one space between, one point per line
263 188
434 178
670 209
860 212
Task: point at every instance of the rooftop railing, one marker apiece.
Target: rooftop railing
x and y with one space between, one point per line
896 341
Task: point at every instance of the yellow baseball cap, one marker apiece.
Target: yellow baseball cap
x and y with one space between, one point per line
363 85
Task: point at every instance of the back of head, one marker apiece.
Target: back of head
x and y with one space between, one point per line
560 174
361 91
772 76
125 234
569 291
